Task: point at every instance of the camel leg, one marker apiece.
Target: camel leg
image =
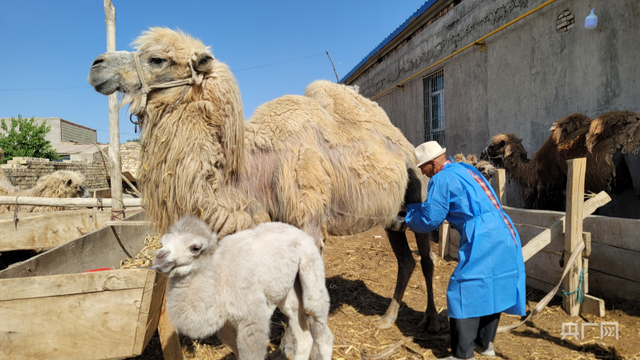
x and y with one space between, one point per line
430 321
227 334
291 306
253 339
406 264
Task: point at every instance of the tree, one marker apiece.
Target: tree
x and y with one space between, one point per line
24 139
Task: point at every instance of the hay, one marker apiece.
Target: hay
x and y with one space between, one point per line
144 258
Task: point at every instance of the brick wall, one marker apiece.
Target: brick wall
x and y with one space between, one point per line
71 132
24 171
130 157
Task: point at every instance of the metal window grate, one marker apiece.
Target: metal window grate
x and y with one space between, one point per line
434 107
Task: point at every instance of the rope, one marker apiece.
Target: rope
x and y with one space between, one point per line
578 289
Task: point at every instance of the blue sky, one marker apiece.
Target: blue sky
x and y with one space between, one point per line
274 48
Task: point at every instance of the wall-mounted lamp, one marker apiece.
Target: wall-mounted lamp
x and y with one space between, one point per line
591 21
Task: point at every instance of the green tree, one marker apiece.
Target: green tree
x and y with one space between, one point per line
24 139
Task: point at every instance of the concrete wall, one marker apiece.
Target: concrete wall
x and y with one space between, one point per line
530 75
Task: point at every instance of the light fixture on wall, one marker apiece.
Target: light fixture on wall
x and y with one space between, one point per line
591 21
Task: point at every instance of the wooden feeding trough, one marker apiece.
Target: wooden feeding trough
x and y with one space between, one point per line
55 306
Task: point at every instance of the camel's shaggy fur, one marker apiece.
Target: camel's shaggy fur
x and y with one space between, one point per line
232 287
60 184
329 162
483 166
608 143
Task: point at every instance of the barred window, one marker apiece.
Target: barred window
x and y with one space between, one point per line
434 107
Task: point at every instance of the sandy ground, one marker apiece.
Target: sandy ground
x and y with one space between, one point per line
361 272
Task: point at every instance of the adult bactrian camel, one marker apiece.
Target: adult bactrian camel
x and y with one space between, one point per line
328 162
609 143
59 184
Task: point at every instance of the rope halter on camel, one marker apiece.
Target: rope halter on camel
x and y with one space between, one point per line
146 88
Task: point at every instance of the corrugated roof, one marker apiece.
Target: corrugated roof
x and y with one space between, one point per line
391 36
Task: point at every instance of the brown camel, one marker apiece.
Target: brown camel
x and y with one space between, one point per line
609 144
329 162
483 166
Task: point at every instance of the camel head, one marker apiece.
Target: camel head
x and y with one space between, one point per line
165 57
188 240
503 146
173 79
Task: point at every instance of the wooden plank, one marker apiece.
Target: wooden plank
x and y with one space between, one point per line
454 241
544 218
127 223
60 285
615 261
443 242
573 230
169 339
500 185
544 266
557 229
541 285
155 309
46 231
82 326
99 249
618 232
67 202
613 288
585 276
529 232
592 305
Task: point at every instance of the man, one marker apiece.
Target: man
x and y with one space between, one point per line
490 277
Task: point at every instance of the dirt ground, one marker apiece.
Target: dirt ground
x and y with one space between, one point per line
361 272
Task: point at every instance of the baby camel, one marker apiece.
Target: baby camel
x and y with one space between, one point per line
231 287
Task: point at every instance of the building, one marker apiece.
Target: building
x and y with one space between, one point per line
64 131
520 79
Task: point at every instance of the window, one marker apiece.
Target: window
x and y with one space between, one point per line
434 107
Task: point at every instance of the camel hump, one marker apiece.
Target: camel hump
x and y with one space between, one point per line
622 126
562 128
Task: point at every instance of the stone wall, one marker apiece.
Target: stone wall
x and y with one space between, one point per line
130 157
24 171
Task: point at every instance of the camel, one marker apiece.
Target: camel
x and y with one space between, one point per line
232 287
609 143
483 166
329 162
59 184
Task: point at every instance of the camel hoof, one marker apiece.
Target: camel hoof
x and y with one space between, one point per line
277 354
430 323
385 322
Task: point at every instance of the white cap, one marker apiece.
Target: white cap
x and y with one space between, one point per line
428 151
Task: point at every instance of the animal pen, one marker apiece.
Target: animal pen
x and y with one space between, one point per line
608 266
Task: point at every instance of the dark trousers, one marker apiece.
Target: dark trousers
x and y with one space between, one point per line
466 332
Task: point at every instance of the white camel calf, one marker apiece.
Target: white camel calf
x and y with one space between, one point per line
231 287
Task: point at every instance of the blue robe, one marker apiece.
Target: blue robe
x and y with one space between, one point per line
490 276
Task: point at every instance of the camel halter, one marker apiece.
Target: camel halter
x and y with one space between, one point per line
146 88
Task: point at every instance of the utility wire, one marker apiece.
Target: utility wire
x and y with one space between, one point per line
245 69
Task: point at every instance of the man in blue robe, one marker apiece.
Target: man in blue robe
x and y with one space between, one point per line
490 276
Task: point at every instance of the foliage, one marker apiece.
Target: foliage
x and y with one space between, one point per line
24 139
134 140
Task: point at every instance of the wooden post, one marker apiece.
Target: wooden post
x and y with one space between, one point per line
115 167
443 242
169 339
573 231
499 185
